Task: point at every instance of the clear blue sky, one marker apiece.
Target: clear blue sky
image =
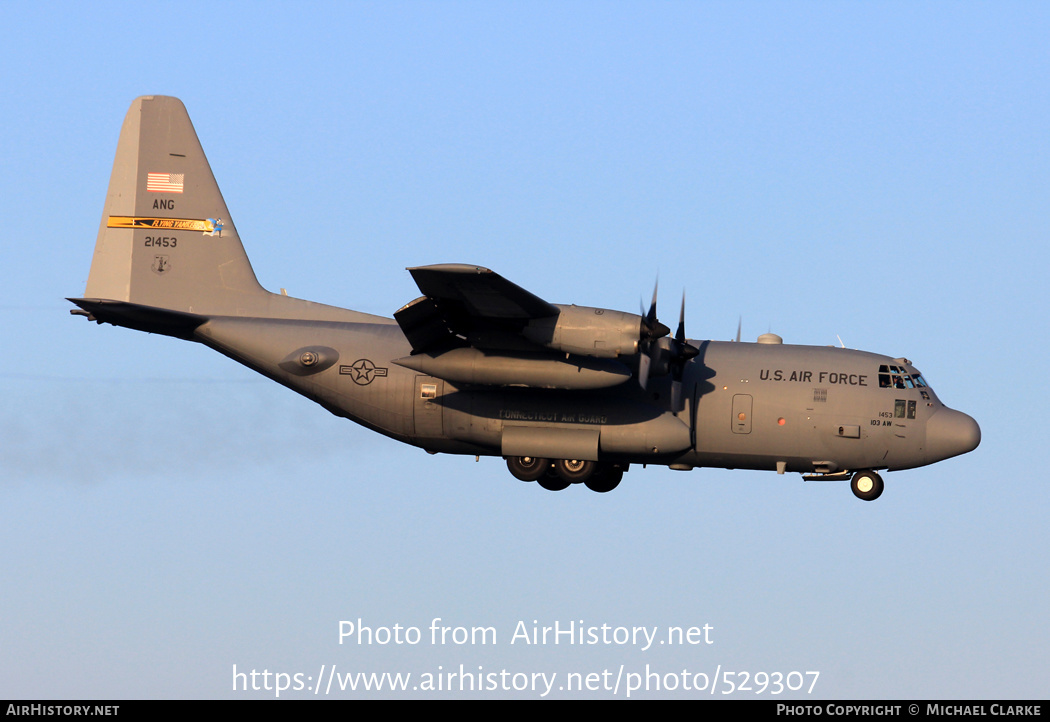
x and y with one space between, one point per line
871 171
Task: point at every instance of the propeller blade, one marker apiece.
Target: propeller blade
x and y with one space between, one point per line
651 327
683 353
643 370
683 350
680 333
651 316
676 396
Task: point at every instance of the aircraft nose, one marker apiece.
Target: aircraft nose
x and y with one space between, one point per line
950 433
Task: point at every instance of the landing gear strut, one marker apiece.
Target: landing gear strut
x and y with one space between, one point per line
867 485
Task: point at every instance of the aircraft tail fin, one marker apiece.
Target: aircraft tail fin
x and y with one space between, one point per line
166 240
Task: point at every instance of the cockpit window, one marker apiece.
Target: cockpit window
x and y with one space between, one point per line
897 377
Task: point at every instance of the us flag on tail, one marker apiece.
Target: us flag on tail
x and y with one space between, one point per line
164 182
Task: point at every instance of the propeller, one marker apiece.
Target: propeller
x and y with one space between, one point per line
649 335
661 355
652 329
683 353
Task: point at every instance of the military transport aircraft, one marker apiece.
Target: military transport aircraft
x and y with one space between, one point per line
478 365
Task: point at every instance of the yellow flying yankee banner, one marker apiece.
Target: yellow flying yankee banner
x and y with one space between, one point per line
207 225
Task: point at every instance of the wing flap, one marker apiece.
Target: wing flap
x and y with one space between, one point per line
423 325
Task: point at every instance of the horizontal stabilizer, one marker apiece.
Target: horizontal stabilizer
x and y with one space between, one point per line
140 318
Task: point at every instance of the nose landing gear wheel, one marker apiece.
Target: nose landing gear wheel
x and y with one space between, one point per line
867 485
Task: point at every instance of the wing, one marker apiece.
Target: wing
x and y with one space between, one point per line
469 305
474 326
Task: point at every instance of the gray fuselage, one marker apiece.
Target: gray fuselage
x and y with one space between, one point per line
746 405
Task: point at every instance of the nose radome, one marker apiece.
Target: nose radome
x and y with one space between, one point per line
950 433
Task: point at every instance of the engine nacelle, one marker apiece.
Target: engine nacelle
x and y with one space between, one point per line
587 331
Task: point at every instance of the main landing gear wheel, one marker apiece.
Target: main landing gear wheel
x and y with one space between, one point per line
867 485
574 471
528 468
551 481
605 479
